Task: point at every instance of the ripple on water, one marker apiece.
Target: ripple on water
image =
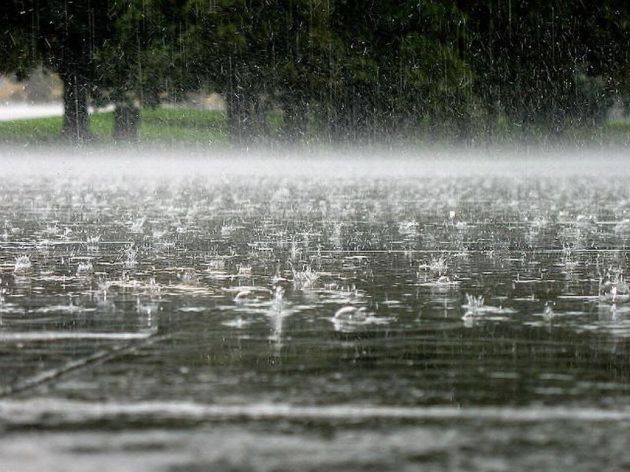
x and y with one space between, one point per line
260 286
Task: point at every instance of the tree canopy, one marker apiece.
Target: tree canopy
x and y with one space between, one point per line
334 69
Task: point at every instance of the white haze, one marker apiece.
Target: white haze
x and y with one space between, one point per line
143 162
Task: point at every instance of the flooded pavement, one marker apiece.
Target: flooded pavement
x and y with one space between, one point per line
290 315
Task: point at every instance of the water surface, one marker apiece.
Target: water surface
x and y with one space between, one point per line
281 314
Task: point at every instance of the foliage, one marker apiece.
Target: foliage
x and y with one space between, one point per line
340 69
141 61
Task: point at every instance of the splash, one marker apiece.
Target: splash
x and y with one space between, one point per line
613 287
22 265
85 268
548 313
305 278
131 254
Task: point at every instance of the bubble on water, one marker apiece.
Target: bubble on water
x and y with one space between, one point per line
253 295
352 318
350 313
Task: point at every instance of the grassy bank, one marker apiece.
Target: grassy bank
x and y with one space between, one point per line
163 126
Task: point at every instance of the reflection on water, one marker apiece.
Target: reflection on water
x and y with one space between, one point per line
162 302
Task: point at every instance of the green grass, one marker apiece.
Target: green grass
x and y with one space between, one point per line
206 127
161 125
37 130
183 125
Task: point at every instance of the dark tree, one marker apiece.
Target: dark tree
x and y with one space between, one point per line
63 35
547 66
336 69
144 61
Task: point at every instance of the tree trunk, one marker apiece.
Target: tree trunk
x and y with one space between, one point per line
75 103
294 127
261 110
239 117
339 112
126 119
